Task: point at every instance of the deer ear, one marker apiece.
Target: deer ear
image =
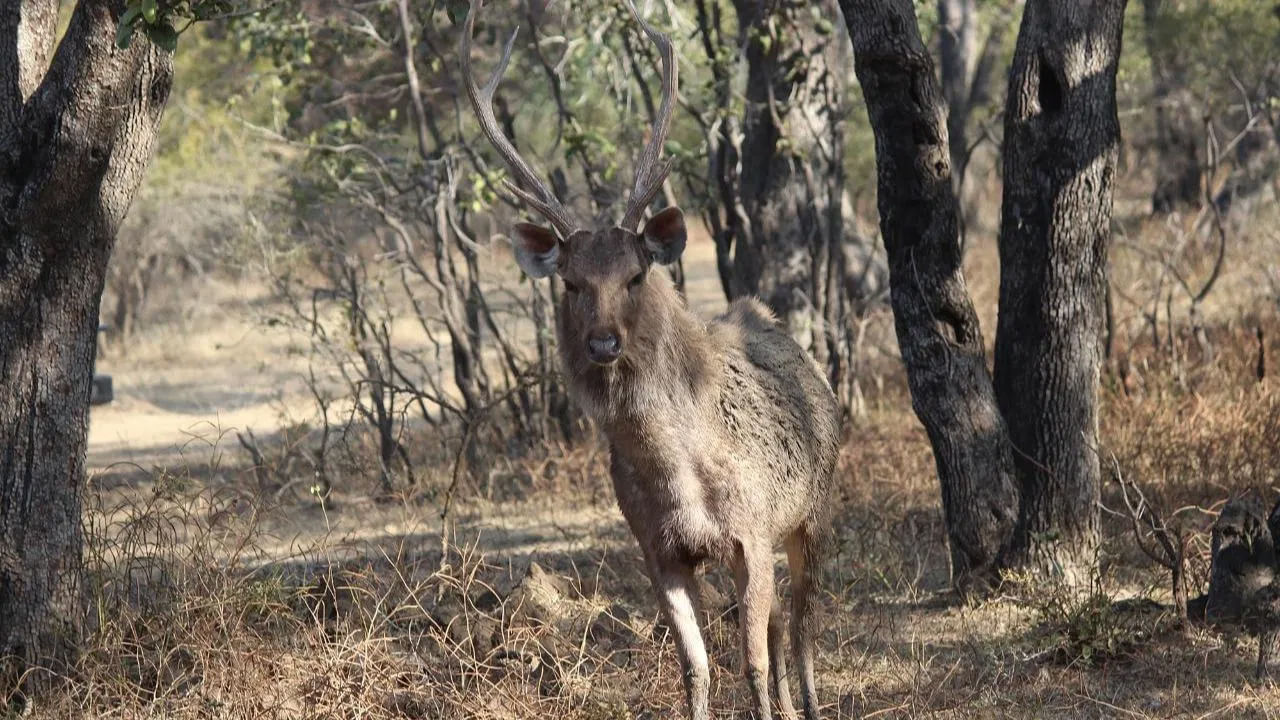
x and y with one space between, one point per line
537 249
664 236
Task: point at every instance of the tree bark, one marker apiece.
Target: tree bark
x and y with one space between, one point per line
967 78
71 157
1062 137
1016 459
957 42
937 328
792 176
1177 153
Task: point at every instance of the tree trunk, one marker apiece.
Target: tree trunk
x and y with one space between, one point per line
1177 154
792 177
966 71
1061 140
957 42
1028 441
74 143
937 328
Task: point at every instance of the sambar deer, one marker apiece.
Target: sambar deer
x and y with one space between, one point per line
723 436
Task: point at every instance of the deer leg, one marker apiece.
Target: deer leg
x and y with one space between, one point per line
676 593
1267 641
778 662
802 558
753 575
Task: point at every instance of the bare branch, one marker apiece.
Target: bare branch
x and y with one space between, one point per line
539 196
26 43
411 73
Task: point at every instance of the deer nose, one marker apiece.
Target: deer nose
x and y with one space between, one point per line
603 348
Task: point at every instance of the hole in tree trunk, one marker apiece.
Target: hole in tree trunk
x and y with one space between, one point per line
1050 90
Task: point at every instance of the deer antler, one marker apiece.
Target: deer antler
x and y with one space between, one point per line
650 170
539 197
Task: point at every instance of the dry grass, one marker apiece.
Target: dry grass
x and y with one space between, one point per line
212 599
201 609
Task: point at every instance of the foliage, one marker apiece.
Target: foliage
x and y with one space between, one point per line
209 184
1223 57
1226 47
163 20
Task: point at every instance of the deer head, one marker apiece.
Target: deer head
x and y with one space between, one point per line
605 271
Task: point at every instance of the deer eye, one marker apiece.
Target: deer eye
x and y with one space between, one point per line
570 287
635 281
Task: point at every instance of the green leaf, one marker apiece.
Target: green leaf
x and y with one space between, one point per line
149 11
124 36
124 30
164 36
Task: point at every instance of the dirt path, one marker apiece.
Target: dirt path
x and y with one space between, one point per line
190 382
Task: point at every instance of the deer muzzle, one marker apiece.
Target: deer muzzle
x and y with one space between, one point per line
604 348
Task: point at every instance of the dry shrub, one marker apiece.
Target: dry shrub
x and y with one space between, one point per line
1198 447
1188 423
889 528
1085 626
195 613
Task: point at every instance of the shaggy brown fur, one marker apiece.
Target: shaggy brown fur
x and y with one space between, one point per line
723 438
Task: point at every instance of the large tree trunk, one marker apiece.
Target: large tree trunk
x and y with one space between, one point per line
74 143
1062 136
1016 460
937 328
792 177
1177 155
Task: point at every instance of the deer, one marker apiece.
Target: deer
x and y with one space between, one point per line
723 435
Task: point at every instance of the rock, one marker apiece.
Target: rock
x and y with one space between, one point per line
540 596
1243 560
1262 618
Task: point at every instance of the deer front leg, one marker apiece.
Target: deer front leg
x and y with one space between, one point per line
676 592
753 575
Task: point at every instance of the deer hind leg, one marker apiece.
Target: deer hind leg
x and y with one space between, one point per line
753 575
803 555
778 662
676 594
1267 642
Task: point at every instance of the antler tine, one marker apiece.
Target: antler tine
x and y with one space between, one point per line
650 170
539 197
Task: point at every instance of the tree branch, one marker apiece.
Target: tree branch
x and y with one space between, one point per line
411 73
87 131
27 28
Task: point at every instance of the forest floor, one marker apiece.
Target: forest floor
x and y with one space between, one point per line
219 599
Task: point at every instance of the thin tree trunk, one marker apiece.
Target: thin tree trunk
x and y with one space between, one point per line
937 328
1177 154
957 45
1062 136
71 157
